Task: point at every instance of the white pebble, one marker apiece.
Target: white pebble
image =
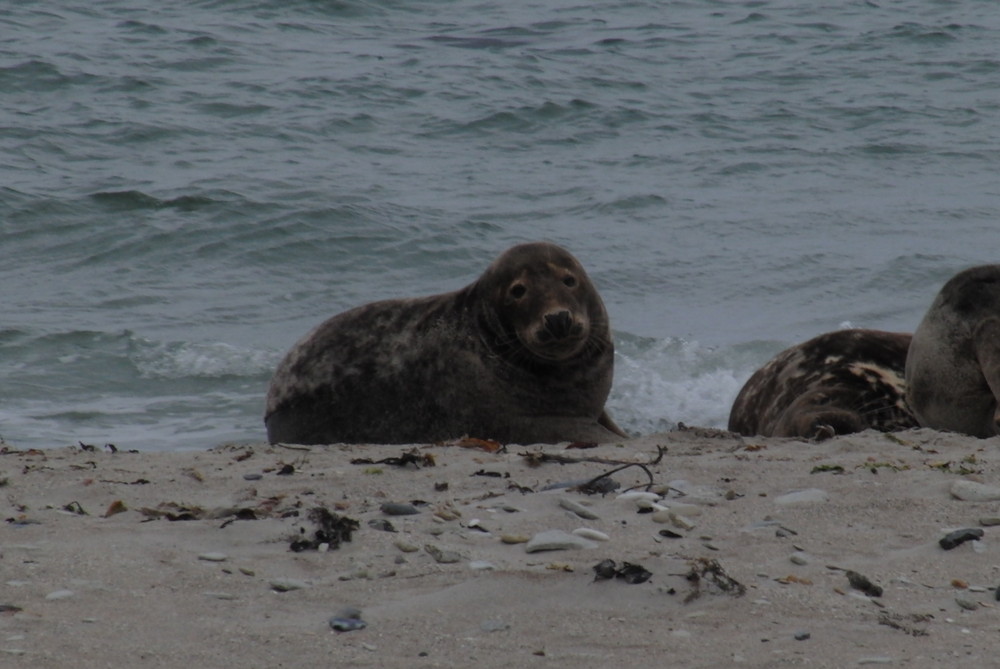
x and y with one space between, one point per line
577 508
213 557
59 594
638 495
588 533
554 540
803 496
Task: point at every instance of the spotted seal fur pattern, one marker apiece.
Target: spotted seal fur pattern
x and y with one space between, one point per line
522 355
836 383
953 365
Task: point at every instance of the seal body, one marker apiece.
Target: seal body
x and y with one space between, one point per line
523 355
953 366
836 383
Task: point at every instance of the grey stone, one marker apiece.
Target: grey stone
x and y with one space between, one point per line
971 491
578 509
442 557
288 584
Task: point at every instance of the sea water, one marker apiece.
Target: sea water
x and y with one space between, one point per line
187 187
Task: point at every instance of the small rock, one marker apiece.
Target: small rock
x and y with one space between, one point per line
809 495
578 509
636 495
967 604
593 535
347 620
799 558
494 626
213 557
252 477
686 509
989 521
59 594
405 546
958 537
972 491
555 540
681 522
381 524
881 659
442 557
862 583
288 584
482 565
514 538
802 635
225 596
398 509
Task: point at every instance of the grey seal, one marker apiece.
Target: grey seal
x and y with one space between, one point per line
953 366
836 383
521 355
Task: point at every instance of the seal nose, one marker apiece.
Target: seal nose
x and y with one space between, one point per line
559 324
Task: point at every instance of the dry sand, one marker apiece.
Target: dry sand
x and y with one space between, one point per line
133 589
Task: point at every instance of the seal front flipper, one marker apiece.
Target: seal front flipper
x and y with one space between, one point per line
607 422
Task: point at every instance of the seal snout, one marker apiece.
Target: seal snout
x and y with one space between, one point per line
559 325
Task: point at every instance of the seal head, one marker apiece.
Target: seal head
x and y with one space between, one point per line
953 366
523 354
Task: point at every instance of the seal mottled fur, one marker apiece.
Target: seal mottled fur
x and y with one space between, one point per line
836 383
953 366
522 355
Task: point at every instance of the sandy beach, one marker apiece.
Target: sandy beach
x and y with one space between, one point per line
752 552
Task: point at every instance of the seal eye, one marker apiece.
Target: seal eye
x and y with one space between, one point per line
569 281
517 291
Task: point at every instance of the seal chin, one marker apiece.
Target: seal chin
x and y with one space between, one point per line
557 351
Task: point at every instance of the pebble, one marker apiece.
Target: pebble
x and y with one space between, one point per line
59 594
593 535
288 584
442 557
802 635
638 495
578 509
971 491
953 539
514 538
967 604
555 540
808 495
685 509
494 626
347 620
989 521
482 565
398 509
381 524
668 515
882 659
799 558
226 596
252 477
213 557
405 546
